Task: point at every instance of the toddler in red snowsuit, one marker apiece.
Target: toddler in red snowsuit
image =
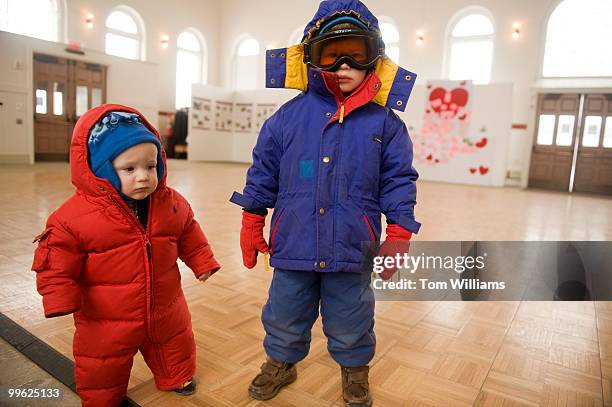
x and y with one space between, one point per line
109 255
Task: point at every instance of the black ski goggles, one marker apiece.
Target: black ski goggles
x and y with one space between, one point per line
357 48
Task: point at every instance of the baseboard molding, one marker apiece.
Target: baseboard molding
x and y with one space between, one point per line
14 159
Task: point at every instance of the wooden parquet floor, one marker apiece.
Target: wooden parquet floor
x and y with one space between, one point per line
428 353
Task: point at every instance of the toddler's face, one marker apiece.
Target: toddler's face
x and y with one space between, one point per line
349 78
137 170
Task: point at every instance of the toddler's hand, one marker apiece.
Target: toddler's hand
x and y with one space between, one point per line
204 276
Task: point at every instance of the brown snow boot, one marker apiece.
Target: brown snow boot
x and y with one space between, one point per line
273 377
355 386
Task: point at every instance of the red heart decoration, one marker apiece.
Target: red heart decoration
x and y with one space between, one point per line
483 170
429 157
482 142
473 170
442 100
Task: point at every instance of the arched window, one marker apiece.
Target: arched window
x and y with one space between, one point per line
34 18
125 33
576 44
470 45
391 37
190 65
246 64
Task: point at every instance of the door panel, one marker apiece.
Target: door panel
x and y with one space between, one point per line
64 90
52 127
90 83
594 163
551 158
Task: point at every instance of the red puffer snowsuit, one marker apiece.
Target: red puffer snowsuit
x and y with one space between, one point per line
121 281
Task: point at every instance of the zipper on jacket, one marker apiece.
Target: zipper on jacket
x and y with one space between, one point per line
150 264
147 243
341 113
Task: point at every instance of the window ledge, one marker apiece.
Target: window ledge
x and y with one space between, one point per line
604 84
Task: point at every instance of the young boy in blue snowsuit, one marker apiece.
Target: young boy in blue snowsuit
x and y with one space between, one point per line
329 162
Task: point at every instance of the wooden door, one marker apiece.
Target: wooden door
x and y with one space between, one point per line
90 86
594 162
52 108
553 145
63 90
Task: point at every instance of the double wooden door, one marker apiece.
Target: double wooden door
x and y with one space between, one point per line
572 148
64 89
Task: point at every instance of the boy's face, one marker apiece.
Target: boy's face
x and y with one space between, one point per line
348 78
137 170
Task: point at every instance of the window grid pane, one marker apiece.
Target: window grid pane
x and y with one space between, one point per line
592 129
565 130
41 101
58 99
471 60
248 47
188 72
188 41
607 141
246 72
575 45
122 21
96 97
546 129
16 16
473 25
81 100
121 46
389 33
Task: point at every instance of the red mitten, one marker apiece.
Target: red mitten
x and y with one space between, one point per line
252 238
397 242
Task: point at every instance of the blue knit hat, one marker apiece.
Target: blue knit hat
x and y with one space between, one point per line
347 19
115 133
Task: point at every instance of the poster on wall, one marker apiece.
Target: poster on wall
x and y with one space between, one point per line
201 113
243 122
223 116
262 112
449 137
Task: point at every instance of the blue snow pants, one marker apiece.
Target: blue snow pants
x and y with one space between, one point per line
346 301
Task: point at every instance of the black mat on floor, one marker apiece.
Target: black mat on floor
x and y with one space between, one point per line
50 360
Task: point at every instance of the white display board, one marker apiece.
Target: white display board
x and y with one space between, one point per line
224 124
464 142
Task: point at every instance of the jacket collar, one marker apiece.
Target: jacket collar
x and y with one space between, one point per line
326 85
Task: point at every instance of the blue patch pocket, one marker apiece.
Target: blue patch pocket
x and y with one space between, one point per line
306 169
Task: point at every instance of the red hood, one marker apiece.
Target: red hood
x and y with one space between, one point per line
82 176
